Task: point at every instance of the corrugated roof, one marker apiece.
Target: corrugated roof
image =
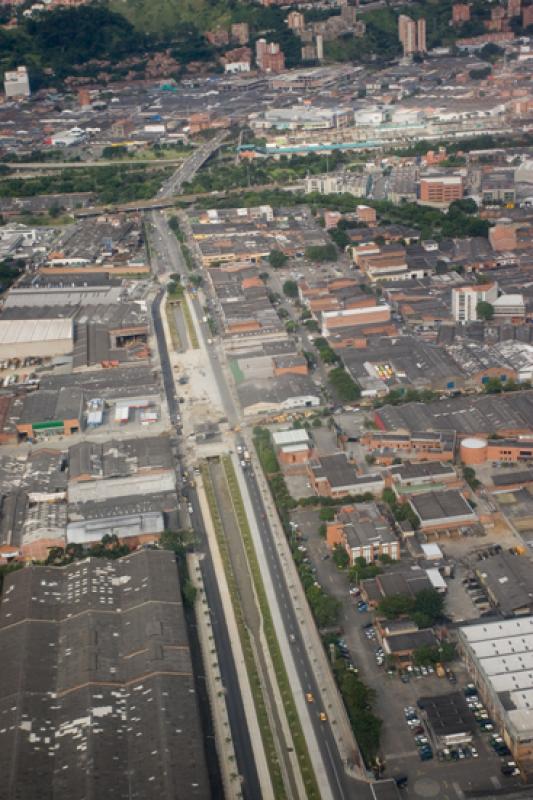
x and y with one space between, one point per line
16 331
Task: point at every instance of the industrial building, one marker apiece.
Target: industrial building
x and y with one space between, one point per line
442 511
35 338
499 657
98 695
449 718
334 476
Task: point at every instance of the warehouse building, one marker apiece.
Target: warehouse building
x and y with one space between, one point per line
499 657
99 704
35 338
335 476
508 580
442 511
449 719
136 519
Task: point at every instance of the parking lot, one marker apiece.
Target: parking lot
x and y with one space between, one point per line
446 779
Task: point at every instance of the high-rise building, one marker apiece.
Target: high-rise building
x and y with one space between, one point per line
296 21
412 35
421 36
514 8
17 83
319 46
269 57
460 13
98 694
407 34
260 50
527 16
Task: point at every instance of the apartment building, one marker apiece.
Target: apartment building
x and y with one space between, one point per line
465 300
412 35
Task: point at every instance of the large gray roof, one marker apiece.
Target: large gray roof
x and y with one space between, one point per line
97 696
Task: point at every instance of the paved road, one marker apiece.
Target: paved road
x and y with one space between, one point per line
252 620
108 162
191 165
342 786
236 714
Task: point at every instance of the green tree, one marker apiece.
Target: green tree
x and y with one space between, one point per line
469 474
396 605
484 310
493 386
172 540
188 592
465 204
290 289
327 514
340 556
344 386
277 259
428 607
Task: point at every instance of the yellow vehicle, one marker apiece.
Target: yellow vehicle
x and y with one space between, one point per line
323 716
309 697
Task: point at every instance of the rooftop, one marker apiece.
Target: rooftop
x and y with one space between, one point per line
441 506
81 680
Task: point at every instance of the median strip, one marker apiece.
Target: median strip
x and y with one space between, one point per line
251 668
171 319
190 324
293 719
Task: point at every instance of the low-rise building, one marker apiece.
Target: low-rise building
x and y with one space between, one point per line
499 658
99 662
441 190
334 476
17 84
508 581
449 719
293 447
403 646
442 511
364 533
411 477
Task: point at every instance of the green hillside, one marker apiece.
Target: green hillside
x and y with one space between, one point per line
164 17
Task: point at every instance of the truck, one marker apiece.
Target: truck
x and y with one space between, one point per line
246 455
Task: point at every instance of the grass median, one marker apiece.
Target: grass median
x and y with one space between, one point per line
190 324
171 319
282 678
246 644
